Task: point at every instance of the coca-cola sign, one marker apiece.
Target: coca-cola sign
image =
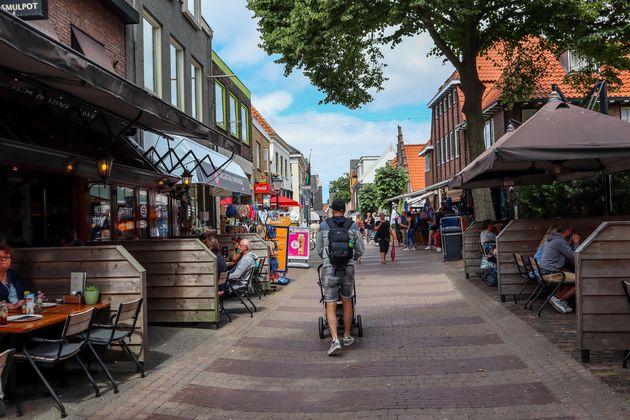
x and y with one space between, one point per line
262 188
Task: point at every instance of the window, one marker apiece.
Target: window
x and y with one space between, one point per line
454 96
100 212
526 114
191 7
625 114
244 124
219 104
488 133
276 160
456 143
427 164
176 70
443 142
196 82
161 216
453 146
258 151
448 100
437 152
447 149
233 115
578 62
151 54
286 171
125 212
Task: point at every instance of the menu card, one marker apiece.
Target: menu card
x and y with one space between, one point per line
77 282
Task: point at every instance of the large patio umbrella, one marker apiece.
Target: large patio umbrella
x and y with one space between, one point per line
560 142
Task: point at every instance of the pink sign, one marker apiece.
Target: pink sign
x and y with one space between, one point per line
299 243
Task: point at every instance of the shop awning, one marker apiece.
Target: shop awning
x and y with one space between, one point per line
284 202
419 200
179 154
36 57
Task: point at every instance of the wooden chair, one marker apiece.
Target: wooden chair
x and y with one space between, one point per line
73 339
242 288
257 280
524 269
626 288
544 284
121 329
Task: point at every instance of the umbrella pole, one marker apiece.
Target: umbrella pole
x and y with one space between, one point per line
603 108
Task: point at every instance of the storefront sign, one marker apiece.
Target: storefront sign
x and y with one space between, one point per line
262 188
299 243
282 241
27 10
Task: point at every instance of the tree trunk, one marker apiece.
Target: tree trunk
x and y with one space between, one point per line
473 90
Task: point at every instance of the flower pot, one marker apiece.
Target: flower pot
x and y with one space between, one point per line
90 296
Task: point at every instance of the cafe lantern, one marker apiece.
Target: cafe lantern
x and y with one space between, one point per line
186 179
71 166
104 166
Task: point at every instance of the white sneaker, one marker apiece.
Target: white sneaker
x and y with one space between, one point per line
348 341
428 247
335 348
438 249
558 305
405 249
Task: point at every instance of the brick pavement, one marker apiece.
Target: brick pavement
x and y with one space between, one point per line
435 347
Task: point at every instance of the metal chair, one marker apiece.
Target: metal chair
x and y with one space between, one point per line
6 364
241 290
543 283
122 328
221 294
257 281
77 327
524 269
626 288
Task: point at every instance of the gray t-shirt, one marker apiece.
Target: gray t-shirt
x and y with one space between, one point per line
487 236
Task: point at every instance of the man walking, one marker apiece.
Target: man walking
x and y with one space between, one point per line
339 243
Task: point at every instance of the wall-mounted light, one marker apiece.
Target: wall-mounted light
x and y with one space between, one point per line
14 168
71 166
186 179
104 166
161 183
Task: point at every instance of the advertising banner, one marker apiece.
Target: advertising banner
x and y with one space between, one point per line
298 243
282 241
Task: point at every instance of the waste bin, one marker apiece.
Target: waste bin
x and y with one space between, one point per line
451 232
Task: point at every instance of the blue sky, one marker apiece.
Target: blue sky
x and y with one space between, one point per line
334 133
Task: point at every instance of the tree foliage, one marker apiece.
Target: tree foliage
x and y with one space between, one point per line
389 182
340 188
368 201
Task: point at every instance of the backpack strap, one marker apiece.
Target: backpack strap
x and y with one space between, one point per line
347 224
330 223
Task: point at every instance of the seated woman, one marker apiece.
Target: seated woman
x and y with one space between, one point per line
12 289
236 251
541 244
213 246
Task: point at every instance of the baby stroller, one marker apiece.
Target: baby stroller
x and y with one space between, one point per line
357 325
489 264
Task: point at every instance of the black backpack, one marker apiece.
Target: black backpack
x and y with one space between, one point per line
340 246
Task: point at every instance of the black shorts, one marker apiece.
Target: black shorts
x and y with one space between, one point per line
433 227
383 245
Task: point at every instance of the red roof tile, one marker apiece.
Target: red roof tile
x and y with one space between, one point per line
415 166
262 121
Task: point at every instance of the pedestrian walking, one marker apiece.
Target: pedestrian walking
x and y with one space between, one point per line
339 244
410 242
403 223
369 227
383 234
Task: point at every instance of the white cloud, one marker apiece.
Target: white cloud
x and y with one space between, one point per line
335 138
413 77
273 103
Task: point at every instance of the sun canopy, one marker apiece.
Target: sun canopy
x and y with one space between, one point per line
284 202
560 142
222 174
33 55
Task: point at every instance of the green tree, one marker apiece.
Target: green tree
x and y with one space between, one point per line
389 182
338 43
368 201
340 188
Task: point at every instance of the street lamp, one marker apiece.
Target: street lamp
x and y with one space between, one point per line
104 166
276 182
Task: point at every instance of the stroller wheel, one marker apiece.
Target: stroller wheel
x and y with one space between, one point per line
359 326
321 327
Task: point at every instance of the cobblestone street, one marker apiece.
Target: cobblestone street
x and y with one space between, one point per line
434 346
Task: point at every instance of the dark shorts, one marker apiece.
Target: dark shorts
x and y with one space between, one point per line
383 245
433 227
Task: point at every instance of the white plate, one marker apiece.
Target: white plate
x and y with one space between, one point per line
24 318
48 304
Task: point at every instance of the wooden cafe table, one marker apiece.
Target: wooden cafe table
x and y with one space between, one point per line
51 316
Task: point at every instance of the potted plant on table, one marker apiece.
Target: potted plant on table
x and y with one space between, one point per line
90 295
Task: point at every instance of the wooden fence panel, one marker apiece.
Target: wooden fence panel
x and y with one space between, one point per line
472 250
603 311
118 275
181 279
523 236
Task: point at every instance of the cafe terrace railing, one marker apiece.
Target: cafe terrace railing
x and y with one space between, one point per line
181 279
117 274
603 313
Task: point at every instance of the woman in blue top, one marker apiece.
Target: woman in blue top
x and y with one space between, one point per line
11 287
